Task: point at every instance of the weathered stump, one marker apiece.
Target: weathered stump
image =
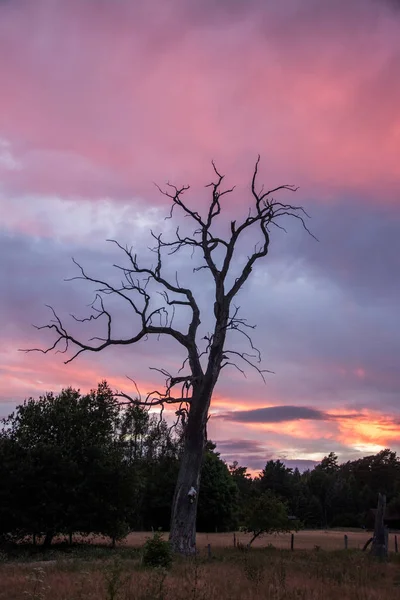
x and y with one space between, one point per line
379 546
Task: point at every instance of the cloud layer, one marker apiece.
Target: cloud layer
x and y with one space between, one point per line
101 98
276 414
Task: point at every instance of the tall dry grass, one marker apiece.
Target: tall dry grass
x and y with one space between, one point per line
230 574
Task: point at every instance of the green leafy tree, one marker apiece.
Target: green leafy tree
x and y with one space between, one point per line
329 464
134 427
321 486
14 490
159 470
380 472
74 474
303 503
245 488
277 478
219 494
268 514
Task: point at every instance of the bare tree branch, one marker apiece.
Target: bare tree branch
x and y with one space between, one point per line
247 359
151 399
191 389
135 291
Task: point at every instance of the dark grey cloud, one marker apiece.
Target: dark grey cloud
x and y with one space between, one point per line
275 414
326 310
32 272
358 248
239 446
303 12
281 414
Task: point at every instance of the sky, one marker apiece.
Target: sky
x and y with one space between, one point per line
102 98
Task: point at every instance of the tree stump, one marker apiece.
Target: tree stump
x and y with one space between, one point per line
379 546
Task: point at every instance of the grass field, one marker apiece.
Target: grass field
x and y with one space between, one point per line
303 540
318 569
258 574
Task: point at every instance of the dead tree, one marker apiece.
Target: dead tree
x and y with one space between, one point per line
379 546
192 387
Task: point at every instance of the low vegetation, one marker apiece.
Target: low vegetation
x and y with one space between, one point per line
230 573
157 552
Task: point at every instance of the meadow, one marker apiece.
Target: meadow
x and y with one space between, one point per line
318 569
303 540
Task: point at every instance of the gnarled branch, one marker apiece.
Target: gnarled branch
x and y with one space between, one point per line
134 290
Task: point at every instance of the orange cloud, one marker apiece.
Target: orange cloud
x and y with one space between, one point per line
34 374
372 428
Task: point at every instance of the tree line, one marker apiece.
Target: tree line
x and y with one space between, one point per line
89 464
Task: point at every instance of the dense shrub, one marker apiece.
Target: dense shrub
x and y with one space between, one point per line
157 552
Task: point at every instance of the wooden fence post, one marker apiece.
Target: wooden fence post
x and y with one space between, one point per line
234 539
292 542
209 551
346 542
396 548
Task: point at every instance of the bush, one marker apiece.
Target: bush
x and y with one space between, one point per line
157 552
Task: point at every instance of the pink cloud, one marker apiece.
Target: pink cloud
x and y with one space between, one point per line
144 95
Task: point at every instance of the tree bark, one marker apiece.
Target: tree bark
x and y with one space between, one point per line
184 509
379 546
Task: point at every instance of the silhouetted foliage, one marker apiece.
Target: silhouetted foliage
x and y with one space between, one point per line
64 466
218 496
73 463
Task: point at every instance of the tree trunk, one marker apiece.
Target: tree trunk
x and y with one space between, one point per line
379 546
255 536
48 539
184 509
367 543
